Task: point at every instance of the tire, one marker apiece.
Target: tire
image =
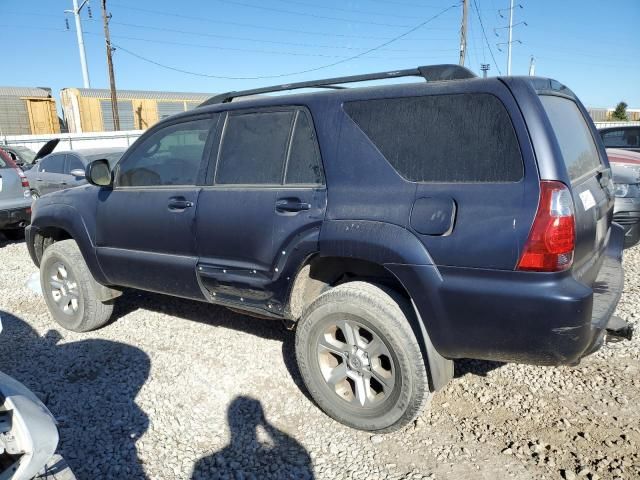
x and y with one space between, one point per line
69 289
14 234
377 394
34 195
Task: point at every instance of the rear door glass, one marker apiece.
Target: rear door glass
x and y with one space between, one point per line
578 149
53 164
254 148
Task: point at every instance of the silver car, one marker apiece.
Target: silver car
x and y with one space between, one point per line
61 170
15 198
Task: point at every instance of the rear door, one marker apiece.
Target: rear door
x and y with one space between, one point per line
50 176
591 183
265 190
11 190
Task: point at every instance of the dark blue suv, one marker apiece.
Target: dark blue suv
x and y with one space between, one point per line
400 227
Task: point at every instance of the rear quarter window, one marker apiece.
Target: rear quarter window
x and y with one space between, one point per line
443 138
577 146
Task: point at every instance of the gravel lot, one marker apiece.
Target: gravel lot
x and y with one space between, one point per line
178 389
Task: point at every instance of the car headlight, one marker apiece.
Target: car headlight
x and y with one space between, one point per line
621 190
627 190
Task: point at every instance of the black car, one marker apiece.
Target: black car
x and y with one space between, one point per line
625 137
397 227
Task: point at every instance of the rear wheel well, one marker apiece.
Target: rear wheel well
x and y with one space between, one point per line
46 237
321 273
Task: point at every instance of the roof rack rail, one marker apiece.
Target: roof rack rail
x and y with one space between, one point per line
431 73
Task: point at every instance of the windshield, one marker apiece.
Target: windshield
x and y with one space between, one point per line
578 148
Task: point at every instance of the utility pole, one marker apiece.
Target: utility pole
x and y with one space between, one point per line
463 31
532 66
112 80
510 37
83 54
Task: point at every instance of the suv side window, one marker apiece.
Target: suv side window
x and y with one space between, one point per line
253 148
443 138
170 156
303 165
52 164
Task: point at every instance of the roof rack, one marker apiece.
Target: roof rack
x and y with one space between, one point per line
431 73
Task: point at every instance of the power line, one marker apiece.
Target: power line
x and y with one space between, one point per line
258 27
259 40
238 49
484 34
354 57
347 10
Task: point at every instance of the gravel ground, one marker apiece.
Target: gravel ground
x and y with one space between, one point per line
179 389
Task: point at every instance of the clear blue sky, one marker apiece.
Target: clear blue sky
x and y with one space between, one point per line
592 46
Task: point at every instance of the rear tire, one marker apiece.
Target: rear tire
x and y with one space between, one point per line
360 359
69 289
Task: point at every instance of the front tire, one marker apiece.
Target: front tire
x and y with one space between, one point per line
68 288
360 359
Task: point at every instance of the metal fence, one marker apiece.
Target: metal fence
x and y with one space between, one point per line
617 124
74 141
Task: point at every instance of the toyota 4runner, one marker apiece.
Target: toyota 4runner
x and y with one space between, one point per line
398 227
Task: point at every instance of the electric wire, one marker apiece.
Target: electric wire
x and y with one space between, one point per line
484 34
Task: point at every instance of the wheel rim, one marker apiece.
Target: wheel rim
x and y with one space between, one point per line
356 364
64 289
34 195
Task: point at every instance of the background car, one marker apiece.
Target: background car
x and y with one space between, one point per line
15 199
627 137
26 158
60 170
626 176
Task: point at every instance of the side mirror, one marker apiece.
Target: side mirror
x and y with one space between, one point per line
78 173
98 173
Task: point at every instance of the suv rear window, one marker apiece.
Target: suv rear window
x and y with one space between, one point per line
579 151
443 138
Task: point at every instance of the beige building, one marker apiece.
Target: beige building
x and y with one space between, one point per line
26 111
89 109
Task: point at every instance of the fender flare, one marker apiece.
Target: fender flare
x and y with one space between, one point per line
389 245
68 218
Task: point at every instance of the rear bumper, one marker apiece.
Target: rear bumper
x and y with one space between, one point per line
627 214
15 217
535 318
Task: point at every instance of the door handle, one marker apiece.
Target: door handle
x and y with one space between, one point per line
179 203
291 205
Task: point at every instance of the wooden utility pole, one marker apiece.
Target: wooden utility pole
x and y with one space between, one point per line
463 31
112 80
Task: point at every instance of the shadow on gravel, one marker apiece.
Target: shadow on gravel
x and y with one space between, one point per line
256 449
4 241
90 386
475 367
216 316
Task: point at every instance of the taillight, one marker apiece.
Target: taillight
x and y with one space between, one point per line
23 177
552 238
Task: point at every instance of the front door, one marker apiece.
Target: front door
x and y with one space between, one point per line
265 190
145 233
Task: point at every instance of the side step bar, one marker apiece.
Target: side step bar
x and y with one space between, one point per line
618 330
